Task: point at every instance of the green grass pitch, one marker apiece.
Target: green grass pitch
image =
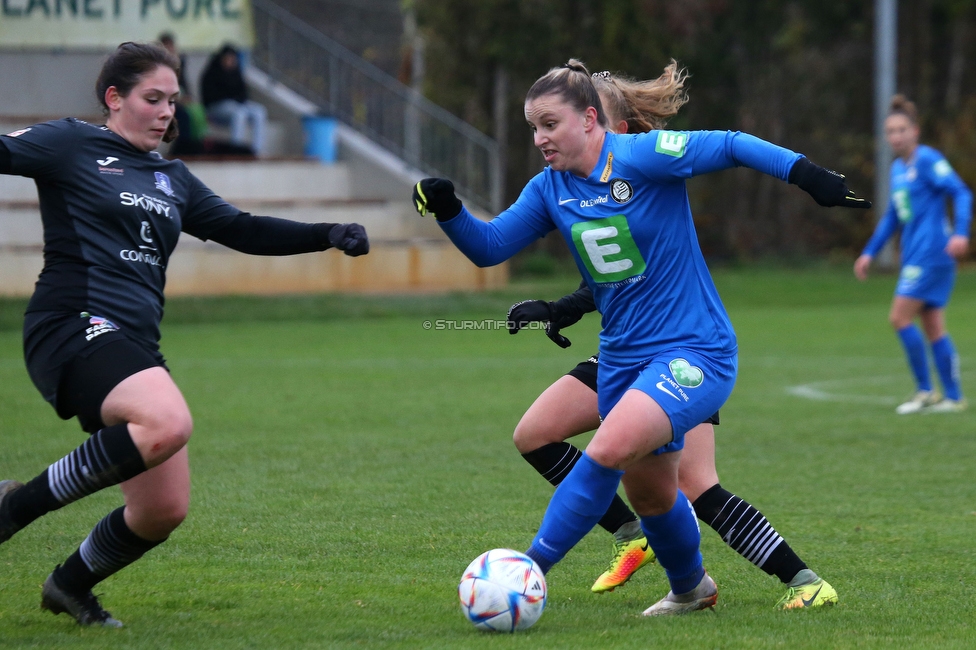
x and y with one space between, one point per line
348 464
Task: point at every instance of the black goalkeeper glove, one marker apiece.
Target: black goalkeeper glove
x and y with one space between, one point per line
435 196
350 238
825 186
529 311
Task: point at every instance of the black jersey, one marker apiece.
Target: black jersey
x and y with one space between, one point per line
112 215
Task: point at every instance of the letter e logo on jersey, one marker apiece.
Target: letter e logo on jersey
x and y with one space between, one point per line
608 249
686 374
942 168
903 204
163 185
671 143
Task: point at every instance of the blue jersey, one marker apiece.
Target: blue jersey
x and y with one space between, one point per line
630 230
918 207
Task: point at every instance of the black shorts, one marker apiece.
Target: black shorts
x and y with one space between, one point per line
75 362
587 371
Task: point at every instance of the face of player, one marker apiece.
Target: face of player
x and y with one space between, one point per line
902 135
143 115
562 133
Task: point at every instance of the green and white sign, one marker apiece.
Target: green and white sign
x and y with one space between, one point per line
103 24
607 249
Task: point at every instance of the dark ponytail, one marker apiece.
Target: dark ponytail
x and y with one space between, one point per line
125 67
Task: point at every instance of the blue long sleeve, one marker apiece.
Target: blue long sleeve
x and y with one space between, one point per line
719 150
962 209
487 244
883 231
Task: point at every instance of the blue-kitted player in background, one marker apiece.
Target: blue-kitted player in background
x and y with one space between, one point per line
668 354
921 179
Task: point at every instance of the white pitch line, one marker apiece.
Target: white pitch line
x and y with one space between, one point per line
816 391
846 390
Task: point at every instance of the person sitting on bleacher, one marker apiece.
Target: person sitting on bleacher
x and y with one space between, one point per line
224 95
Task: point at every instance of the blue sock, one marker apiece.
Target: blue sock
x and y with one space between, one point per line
947 363
911 340
579 502
675 537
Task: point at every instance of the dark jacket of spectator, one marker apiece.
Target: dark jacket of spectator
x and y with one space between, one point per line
222 78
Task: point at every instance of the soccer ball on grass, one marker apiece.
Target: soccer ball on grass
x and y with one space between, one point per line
502 590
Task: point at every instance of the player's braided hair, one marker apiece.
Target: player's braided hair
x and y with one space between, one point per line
125 67
570 81
644 105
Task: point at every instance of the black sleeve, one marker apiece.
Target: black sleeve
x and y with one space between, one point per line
4 159
39 151
255 235
575 305
208 216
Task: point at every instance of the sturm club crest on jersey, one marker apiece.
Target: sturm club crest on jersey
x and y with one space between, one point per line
620 190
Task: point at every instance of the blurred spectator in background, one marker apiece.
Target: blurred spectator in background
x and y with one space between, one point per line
168 41
191 117
225 98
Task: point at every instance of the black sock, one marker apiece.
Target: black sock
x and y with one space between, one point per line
555 460
109 548
31 501
107 458
747 532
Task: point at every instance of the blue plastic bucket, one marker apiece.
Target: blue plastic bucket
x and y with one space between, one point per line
320 137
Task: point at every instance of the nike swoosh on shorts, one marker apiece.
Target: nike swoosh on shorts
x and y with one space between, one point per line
660 386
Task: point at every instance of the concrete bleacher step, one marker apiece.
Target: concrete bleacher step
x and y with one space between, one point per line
271 180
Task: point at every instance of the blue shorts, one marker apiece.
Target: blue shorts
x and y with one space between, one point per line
688 385
930 284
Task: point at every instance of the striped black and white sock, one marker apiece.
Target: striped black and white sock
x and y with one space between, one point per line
747 532
555 460
107 458
109 548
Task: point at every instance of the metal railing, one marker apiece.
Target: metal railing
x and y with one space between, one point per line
369 100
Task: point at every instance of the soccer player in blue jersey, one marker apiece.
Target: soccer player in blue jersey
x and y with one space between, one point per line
569 406
113 210
667 349
921 180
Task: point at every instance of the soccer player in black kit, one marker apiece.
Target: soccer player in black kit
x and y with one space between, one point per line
112 210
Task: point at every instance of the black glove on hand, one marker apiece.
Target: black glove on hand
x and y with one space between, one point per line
435 196
825 186
528 311
349 237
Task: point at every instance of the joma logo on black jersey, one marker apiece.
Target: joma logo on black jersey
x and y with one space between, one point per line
147 203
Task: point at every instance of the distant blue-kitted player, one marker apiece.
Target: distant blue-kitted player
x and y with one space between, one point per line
921 179
668 353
